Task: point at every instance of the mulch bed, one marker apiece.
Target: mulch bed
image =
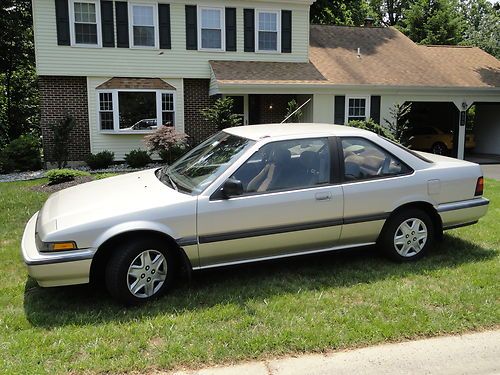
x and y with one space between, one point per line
46 188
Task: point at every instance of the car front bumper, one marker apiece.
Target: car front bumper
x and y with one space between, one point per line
462 213
57 269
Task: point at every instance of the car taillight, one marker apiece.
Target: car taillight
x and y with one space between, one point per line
479 186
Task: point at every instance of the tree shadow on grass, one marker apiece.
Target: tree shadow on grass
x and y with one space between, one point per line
82 305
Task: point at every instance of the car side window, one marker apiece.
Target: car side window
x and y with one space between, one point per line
364 160
286 165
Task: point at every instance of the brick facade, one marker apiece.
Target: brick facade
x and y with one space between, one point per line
196 98
61 97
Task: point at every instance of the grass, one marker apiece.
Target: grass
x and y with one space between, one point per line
311 304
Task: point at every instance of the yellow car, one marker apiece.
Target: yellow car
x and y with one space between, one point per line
435 140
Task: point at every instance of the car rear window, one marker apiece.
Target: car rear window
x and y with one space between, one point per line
416 154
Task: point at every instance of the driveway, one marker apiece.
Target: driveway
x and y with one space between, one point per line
473 354
491 171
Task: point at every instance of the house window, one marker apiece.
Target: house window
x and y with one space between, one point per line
143 25
167 109
106 110
85 29
268 31
211 28
135 110
357 108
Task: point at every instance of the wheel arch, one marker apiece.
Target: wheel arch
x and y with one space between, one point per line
428 208
107 248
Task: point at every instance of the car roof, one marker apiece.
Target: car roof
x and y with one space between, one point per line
256 132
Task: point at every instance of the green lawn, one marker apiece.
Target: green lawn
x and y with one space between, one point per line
309 304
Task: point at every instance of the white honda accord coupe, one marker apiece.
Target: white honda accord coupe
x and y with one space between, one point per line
246 194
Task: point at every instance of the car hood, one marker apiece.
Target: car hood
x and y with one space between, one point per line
104 199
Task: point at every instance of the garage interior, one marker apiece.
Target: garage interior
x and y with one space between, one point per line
431 123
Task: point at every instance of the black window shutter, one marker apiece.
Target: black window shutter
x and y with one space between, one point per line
249 30
191 28
375 108
121 24
339 109
286 31
230 29
107 24
164 25
62 23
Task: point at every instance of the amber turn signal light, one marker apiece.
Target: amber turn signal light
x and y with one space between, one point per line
479 186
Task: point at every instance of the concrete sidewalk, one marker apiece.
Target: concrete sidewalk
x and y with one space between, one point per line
476 353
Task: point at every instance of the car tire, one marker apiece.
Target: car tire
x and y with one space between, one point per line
139 271
439 148
407 235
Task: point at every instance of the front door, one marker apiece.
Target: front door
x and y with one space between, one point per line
289 205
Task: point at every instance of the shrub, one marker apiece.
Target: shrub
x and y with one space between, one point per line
221 115
21 154
57 176
371 126
101 160
137 159
62 130
168 143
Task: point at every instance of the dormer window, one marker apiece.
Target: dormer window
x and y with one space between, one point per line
85 28
268 30
143 25
211 28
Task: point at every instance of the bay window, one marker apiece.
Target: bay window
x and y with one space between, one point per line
143 25
211 28
85 23
130 111
268 31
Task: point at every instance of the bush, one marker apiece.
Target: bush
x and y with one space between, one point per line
371 126
220 114
101 160
21 154
57 176
137 159
169 144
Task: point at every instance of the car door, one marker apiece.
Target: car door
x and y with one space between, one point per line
288 205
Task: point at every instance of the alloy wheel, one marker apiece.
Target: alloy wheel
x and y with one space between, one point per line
410 237
147 273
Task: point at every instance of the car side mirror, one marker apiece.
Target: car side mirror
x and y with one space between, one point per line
232 187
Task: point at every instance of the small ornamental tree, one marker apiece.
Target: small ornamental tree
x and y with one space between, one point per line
221 115
399 125
62 130
292 106
168 143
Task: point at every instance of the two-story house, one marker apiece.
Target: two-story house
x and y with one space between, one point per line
121 67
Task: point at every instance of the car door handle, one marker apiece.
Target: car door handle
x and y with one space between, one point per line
323 196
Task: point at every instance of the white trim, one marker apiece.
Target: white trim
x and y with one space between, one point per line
278 30
222 11
346 106
116 110
131 25
71 7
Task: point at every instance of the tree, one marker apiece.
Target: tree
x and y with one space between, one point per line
434 22
399 122
336 12
221 115
389 12
482 25
62 131
18 91
293 111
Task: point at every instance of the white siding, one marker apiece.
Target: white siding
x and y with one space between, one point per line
176 62
118 143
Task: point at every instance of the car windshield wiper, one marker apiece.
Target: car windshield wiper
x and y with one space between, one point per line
163 174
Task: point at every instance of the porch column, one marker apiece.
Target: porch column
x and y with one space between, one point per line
461 134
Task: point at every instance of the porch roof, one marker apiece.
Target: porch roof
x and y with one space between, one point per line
262 73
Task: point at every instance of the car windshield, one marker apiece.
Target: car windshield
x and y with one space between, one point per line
202 165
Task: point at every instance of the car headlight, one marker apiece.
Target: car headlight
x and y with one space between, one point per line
55 246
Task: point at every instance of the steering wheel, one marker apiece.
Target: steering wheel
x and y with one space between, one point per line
385 166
